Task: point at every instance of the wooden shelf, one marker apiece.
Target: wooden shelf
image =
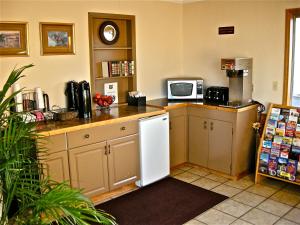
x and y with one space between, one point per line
118 77
278 178
258 174
114 48
123 50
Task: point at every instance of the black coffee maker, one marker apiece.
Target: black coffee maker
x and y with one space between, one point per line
84 100
72 95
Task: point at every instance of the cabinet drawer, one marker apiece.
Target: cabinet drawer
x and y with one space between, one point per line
54 143
177 112
212 114
101 133
122 129
86 136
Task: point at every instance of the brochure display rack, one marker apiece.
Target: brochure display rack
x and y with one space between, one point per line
278 155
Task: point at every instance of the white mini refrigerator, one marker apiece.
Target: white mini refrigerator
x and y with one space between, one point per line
154 148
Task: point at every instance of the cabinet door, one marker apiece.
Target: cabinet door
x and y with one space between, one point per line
57 166
178 153
88 168
198 140
123 161
220 144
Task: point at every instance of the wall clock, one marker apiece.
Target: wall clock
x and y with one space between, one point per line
109 32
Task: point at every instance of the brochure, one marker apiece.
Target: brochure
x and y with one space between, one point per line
263 162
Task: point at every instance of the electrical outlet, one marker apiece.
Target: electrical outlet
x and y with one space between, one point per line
275 85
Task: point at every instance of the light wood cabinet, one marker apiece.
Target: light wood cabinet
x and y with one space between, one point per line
108 164
123 161
198 140
221 140
220 146
97 159
57 166
88 168
105 166
178 136
210 143
55 160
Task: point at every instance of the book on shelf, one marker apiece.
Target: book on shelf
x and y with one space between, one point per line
117 68
105 71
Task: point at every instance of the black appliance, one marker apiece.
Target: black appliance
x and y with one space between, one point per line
46 102
84 100
72 95
217 95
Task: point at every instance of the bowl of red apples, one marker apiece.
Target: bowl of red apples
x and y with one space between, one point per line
103 101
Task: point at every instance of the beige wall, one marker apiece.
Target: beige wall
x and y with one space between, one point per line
172 40
259 33
158 39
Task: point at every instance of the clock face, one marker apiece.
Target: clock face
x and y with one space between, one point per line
109 32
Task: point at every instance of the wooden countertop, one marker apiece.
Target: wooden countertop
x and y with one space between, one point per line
164 103
116 114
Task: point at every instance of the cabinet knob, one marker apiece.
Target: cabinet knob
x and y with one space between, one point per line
105 147
123 128
205 124
211 126
86 136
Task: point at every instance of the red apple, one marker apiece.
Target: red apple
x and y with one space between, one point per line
97 95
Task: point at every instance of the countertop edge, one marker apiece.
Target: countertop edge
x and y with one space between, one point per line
100 123
213 107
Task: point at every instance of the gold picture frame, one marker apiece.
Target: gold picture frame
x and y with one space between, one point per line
57 38
13 38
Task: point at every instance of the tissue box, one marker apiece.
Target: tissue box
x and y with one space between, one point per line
139 101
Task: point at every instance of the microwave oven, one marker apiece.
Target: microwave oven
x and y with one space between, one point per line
185 88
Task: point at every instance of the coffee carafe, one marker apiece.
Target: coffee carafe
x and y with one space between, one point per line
72 95
84 100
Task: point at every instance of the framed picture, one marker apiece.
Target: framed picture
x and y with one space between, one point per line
13 39
57 38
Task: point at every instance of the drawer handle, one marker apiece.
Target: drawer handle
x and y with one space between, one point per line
123 128
205 124
86 136
211 126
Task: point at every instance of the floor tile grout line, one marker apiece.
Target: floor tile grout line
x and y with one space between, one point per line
243 203
261 194
287 213
243 220
243 190
268 212
251 207
231 187
199 220
234 221
225 213
273 213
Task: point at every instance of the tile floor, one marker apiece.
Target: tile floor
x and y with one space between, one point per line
271 202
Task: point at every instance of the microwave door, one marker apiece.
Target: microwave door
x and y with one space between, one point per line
182 90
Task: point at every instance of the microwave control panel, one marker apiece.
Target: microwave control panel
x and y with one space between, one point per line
200 89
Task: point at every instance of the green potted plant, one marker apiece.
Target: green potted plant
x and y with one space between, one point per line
38 201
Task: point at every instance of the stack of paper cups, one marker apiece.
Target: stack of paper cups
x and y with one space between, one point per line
39 98
18 98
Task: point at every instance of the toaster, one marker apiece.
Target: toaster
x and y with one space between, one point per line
217 95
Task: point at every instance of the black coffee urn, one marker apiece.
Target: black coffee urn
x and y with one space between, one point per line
84 100
72 95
